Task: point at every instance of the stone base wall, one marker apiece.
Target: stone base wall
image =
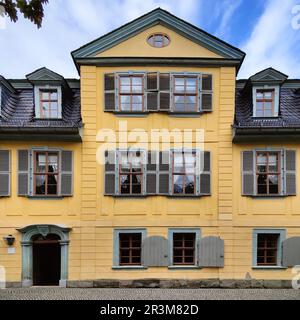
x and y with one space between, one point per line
182 284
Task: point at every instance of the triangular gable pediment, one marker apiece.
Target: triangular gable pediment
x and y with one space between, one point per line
44 74
152 19
269 75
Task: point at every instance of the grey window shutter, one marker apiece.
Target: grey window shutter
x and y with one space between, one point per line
152 101
151 174
290 172
206 95
211 252
4 173
291 252
155 252
205 175
66 179
248 173
152 81
164 92
164 173
110 93
110 173
23 172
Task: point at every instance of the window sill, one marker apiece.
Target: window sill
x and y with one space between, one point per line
49 119
269 268
185 114
45 198
118 196
186 196
184 267
131 114
129 268
269 196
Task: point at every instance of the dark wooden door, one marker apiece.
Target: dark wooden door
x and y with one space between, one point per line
46 262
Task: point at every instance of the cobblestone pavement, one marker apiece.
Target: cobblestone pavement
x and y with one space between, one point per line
148 294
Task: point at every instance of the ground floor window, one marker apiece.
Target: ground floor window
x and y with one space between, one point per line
184 248
267 247
130 249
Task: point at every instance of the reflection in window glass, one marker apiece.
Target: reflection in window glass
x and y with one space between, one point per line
131 93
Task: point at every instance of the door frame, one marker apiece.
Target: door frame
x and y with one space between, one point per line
28 233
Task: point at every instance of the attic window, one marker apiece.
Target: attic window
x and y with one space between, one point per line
48 102
266 101
158 40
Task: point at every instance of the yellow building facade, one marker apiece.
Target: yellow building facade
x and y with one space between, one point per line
219 234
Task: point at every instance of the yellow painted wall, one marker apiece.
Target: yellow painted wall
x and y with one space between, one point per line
93 216
138 47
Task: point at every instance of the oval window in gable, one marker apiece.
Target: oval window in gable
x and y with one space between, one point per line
158 40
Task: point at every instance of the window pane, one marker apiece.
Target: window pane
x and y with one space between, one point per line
273 184
125 184
259 106
262 184
40 185
189 185
268 94
52 185
137 107
40 163
178 163
125 103
125 81
53 95
53 110
45 95
178 184
259 95
136 184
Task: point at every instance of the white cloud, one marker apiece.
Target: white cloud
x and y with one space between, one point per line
273 42
69 24
226 10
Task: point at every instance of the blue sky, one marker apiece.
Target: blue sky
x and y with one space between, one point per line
267 30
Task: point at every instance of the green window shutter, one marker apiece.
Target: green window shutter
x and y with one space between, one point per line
211 252
206 94
291 252
290 172
205 175
23 172
110 92
4 173
248 174
66 179
155 252
164 173
110 173
152 80
164 92
151 173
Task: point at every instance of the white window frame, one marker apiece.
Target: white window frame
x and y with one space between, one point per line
276 98
37 100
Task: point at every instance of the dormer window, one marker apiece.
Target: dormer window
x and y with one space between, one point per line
48 102
265 101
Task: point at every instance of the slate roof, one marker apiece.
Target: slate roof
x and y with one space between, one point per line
18 110
289 107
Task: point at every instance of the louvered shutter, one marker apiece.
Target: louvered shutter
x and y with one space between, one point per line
290 172
66 179
206 94
23 172
110 173
152 91
248 173
205 175
155 252
151 173
164 92
4 173
164 173
211 252
109 92
291 252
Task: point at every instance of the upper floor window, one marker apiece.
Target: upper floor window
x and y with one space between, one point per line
158 40
186 93
131 93
268 173
46 173
131 173
265 101
184 173
48 102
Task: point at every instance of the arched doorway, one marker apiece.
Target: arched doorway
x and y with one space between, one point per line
45 251
46 260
